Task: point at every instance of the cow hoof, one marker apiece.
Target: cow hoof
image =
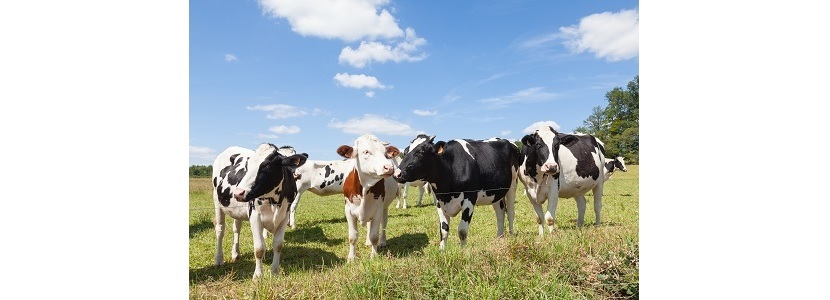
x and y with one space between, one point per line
233 259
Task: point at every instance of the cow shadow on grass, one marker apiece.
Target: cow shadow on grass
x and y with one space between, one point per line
305 234
294 259
329 221
571 224
406 244
199 227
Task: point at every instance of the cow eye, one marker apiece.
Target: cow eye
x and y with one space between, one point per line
365 152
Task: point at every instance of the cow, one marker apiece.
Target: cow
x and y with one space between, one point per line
464 173
247 176
557 165
617 163
323 178
368 189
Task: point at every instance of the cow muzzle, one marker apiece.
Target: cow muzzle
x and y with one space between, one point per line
397 176
239 195
388 170
550 169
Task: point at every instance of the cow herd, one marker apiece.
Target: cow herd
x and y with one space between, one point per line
264 186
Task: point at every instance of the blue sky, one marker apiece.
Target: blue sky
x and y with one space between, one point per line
315 75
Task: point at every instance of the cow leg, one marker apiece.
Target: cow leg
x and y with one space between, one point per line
237 226
277 245
581 206
510 207
597 203
219 227
467 208
539 215
550 215
420 194
498 207
291 222
402 197
374 232
351 221
259 242
443 226
382 242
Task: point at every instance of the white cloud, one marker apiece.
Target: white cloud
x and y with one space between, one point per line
358 81
282 111
230 57
424 113
612 36
373 124
203 153
370 94
285 129
530 95
348 20
541 124
505 132
368 52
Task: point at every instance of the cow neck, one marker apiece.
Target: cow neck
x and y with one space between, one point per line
352 187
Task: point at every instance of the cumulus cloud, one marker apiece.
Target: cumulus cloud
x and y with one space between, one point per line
370 94
424 113
358 81
230 57
373 124
530 95
368 52
282 111
348 20
285 129
612 36
203 153
541 124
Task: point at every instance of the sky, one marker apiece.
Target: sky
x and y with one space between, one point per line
316 75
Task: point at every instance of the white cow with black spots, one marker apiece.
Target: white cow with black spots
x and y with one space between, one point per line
242 178
557 165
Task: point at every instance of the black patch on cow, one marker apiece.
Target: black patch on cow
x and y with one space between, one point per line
224 195
233 158
322 185
445 226
610 166
501 204
329 171
233 173
583 148
215 180
467 215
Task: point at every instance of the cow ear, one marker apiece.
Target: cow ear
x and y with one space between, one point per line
568 139
345 151
295 160
528 140
392 151
439 147
432 138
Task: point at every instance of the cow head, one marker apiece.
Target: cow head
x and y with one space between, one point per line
266 170
373 158
419 160
541 151
619 163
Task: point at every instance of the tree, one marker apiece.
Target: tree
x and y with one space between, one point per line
618 124
201 171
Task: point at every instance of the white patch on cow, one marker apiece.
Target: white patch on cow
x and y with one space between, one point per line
493 139
547 137
464 144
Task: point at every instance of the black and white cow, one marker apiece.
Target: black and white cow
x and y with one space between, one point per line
248 176
320 177
617 163
369 189
463 174
420 184
557 165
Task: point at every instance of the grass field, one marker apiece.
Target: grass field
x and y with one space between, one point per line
592 262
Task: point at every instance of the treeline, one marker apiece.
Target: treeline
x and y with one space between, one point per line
618 124
201 171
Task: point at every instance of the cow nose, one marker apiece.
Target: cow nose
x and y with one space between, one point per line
550 168
397 173
239 194
388 169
